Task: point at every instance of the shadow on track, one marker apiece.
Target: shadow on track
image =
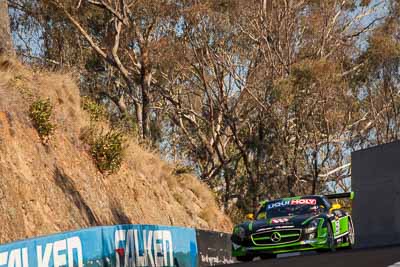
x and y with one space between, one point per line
373 257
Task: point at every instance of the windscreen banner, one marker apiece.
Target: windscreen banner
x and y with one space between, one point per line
117 246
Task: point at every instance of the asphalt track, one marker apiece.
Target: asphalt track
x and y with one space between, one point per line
374 257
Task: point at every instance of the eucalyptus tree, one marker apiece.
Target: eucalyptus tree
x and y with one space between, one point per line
6 44
264 98
125 35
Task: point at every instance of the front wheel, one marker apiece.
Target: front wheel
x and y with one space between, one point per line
330 239
245 258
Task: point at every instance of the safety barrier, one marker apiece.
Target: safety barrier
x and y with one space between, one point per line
119 246
214 248
375 178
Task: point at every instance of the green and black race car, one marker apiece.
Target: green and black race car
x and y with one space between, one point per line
292 225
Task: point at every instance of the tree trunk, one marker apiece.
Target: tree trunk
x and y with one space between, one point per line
6 44
227 192
139 118
290 185
253 192
145 111
145 84
315 180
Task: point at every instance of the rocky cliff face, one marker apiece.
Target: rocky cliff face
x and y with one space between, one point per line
47 188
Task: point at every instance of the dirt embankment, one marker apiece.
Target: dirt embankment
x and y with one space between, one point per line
56 187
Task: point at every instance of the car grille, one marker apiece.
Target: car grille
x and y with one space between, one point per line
270 238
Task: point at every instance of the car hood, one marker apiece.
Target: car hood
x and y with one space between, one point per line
281 222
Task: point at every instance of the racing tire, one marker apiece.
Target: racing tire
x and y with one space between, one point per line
245 258
330 239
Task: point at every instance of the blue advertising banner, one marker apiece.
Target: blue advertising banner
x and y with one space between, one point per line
119 246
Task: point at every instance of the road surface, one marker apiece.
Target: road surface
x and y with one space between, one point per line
374 257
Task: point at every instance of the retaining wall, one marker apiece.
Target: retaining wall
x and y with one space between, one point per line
376 206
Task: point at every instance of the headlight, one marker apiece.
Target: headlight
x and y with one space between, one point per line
312 226
240 232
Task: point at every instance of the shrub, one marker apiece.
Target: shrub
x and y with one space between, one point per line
107 150
96 111
40 112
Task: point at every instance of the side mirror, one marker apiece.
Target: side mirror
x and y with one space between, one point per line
250 216
335 206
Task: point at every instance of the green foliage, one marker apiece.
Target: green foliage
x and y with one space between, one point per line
95 110
40 113
107 150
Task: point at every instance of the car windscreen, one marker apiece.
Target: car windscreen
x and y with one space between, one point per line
289 207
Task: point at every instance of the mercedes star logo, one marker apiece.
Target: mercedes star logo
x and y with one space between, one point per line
276 237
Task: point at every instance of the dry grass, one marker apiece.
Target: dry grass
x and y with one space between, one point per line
57 187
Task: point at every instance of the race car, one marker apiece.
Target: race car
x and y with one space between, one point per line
293 225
